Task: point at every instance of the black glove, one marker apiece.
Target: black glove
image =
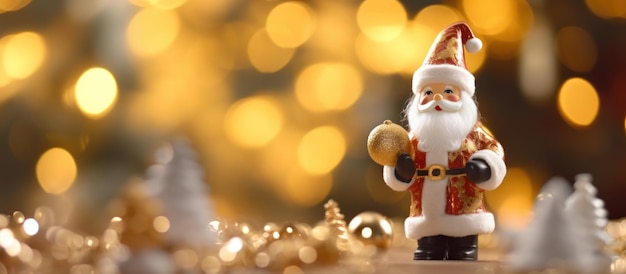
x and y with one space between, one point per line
405 168
477 170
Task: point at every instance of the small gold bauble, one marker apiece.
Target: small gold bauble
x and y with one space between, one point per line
372 228
386 141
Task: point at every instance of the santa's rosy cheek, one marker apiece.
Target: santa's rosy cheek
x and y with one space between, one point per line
452 97
425 100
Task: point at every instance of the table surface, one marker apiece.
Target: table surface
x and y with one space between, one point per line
398 260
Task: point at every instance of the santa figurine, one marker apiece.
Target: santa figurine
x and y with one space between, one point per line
453 160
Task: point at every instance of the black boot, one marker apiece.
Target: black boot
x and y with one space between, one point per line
463 248
431 248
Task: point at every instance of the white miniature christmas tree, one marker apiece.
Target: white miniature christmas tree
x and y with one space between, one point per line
548 240
588 219
180 187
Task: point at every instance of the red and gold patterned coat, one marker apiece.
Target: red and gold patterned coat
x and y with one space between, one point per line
453 206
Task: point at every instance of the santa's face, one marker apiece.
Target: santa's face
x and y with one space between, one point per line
440 116
440 97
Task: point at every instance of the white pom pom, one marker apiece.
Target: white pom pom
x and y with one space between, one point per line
473 45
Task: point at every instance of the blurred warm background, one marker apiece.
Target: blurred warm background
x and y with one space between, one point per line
278 98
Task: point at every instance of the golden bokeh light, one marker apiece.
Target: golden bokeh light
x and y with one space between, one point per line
328 86
30 226
160 4
538 67
12 5
381 20
229 250
151 31
307 254
277 155
515 212
290 24
521 21
305 190
578 102
56 170
403 54
576 49
624 124
9 243
96 92
161 224
489 17
406 52
18 217
158 107
253 121
321 150
505 23
512 201
22 54
389 57
607 8
334 35
4 80
293 269
266 56
438 17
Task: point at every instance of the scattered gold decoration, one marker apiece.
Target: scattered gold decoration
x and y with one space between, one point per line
617 230
372 228
386 141
37 244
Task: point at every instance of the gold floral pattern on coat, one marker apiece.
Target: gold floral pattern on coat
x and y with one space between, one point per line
462 195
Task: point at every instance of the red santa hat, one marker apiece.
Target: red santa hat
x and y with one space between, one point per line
445 62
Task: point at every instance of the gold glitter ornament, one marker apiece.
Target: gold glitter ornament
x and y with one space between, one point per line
386 142
372 228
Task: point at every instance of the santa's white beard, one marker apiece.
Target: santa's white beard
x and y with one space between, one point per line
441 130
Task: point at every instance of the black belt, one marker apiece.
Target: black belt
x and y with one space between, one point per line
438 172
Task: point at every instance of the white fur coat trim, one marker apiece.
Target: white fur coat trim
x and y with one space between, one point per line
449 225
498 168
390 179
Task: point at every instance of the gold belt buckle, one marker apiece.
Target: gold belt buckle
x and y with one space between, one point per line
442 172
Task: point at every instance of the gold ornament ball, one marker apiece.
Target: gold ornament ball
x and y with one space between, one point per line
386 141
372 228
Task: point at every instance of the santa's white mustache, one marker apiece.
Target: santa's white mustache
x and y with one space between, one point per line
443 104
